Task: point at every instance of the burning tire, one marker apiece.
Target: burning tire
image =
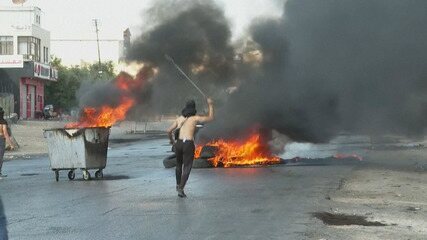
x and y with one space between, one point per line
208 152
170 161
201 163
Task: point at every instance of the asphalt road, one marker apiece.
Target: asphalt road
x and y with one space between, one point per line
137 199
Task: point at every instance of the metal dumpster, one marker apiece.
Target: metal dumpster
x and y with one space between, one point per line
70 149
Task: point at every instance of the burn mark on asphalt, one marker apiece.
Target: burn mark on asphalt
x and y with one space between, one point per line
106 178
338 219
29 174
114 177
122 140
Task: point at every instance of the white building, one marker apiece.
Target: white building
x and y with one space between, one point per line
24 58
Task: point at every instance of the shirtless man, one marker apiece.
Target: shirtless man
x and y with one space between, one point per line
184 146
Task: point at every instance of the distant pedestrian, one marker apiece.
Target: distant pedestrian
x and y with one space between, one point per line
184 145
4 137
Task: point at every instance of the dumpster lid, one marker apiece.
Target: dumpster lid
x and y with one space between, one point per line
72 131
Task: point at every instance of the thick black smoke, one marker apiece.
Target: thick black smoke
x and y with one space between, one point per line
113 93
98 94
336 65
197 36
324 67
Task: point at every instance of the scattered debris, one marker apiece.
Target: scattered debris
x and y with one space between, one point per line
413 209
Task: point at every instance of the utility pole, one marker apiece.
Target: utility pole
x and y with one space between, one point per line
97 42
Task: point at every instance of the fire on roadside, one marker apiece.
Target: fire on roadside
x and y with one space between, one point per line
106 115
231 153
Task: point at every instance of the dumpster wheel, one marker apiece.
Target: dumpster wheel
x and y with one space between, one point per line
86 174
71 174
57 175
99 174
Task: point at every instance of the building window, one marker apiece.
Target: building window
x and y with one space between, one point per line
29 47
38 19
46 54
6 45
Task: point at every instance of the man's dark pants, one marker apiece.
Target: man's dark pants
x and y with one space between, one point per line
184 151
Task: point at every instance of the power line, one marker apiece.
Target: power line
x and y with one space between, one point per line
85 40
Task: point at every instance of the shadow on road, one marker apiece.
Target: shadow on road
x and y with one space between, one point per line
3 223
107 178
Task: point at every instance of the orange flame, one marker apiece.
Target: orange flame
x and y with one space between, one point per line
126 83
107 116
235 153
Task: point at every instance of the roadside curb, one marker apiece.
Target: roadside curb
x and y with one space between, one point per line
24 156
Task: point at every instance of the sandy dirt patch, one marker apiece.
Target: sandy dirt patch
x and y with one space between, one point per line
390 189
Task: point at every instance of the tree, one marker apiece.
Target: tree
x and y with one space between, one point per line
62 93
105 74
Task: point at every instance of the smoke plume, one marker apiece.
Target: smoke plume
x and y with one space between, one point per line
324 67
335 65
124 86
197 36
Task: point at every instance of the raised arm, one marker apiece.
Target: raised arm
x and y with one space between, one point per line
170 130
210 116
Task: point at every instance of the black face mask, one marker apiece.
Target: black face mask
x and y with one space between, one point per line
190 109
188 112
1 113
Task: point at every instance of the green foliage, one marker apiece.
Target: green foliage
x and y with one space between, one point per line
105 74
62 94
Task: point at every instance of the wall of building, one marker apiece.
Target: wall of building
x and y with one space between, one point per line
44 37
17 18
24 21
25 82
10 79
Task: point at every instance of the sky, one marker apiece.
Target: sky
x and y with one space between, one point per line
67 19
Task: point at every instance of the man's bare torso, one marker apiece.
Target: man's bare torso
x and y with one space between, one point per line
1 131
188 127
